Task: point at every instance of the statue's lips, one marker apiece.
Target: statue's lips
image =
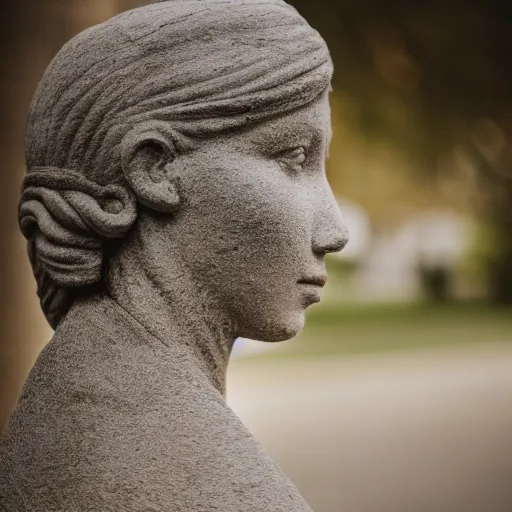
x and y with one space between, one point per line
315 281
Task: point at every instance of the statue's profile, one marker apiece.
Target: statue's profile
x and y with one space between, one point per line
175 199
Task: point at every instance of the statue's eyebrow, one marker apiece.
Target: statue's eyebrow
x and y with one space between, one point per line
273 139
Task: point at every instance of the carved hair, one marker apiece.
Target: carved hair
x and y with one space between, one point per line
200 66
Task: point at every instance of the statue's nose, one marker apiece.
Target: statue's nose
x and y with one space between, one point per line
335 245
330 233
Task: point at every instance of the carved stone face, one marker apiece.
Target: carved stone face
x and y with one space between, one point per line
244 217
256 220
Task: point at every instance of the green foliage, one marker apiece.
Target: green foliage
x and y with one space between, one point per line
484 249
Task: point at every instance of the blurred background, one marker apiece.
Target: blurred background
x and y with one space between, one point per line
398 394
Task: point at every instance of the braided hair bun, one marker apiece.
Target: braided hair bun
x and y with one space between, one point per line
65 218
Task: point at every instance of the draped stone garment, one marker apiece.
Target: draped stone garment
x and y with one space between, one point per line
110 419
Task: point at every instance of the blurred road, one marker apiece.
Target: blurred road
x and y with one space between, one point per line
422 431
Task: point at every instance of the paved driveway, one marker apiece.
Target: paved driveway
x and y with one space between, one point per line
423 431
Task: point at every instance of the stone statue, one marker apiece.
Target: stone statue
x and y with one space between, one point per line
175 199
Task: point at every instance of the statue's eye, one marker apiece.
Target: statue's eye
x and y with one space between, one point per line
293 159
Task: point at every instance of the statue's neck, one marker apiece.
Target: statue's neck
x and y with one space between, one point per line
165 301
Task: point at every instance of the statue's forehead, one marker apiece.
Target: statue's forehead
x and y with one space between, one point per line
312 122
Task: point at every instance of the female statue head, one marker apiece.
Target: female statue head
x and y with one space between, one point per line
175 156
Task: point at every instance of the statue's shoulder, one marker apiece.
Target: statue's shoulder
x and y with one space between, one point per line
109 423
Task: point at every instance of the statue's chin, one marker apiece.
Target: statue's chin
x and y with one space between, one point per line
283 329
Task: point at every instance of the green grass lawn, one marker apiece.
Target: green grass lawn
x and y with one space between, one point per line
379 328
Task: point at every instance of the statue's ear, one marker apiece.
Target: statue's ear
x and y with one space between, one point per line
147 155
